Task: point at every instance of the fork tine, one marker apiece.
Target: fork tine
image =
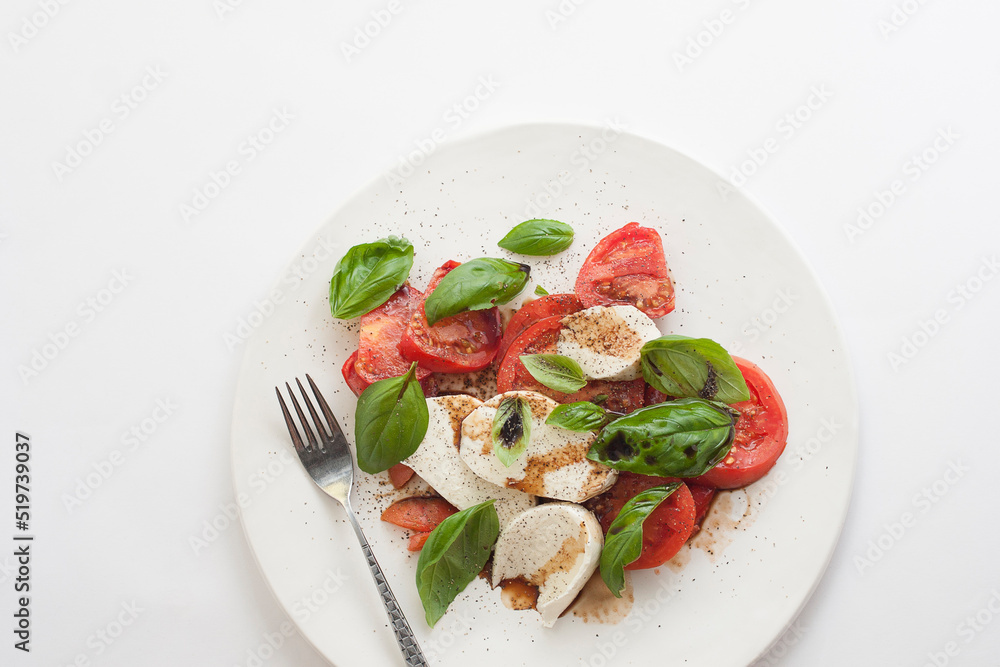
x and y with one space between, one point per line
327 412
302 417
292 431
320 429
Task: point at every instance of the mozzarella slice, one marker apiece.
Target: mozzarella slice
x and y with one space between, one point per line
606 341
556 547
438 462
555 463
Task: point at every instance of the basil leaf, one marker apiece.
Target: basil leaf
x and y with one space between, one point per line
683 438
555 371
390 421
580 416
476 285
511 429
367 275
538 237
454 555
623 545
541 291
695 367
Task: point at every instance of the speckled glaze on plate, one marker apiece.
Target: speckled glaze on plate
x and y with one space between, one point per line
739 280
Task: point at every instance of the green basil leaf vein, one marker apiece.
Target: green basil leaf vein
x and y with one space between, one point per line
623 544
682 438
367 275
476 285
454 555
694 367
538 237
511 429
580 416
555 371
390 421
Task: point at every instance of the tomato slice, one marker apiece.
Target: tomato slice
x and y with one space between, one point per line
541 338
551 305
622 396
417 541
664 531
420 514
703 497
356 383
654 396
464 342
761 434
381 331
627 267
400 474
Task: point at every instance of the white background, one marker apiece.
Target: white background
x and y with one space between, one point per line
893 595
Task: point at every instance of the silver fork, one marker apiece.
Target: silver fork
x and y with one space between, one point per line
328 461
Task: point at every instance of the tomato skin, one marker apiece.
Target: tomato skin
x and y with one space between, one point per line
534 311
627 267
761 434
381 331
540 338
400 474
419 514
664 531
703 497
354 381
464 342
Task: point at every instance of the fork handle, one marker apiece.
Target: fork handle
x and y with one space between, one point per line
404 635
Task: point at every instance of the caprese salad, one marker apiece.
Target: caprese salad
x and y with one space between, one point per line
576 439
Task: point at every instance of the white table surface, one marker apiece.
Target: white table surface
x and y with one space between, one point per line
199 77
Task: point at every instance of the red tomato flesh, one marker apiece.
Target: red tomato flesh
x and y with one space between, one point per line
664 531
381 331
703 497
400 474
540 338
464 342
655 396
420 514
761 434
551 305
417 541
627 267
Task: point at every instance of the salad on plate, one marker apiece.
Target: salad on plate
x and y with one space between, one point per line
565 438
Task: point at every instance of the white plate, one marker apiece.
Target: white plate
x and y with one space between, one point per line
739 281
